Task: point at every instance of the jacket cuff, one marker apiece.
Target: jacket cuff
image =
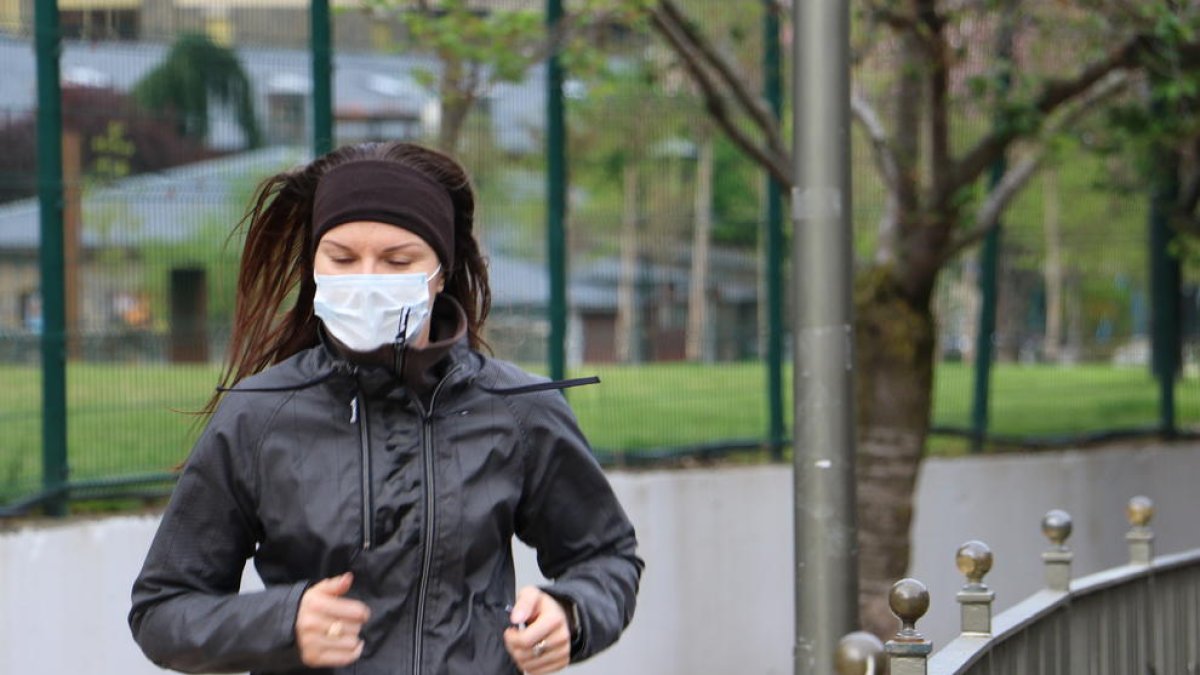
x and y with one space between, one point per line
292 603
574 618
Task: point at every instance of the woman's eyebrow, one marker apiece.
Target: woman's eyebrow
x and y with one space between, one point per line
401 247
330 242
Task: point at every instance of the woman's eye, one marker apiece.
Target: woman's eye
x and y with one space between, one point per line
399 263
343 261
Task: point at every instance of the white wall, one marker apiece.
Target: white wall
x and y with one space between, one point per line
717 592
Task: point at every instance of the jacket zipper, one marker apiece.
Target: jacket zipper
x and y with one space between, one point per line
364 445
430 529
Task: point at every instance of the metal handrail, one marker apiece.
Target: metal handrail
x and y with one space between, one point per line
1057 619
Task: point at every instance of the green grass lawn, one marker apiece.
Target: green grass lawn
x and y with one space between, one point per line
125 419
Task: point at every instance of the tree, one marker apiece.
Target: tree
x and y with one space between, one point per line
196 73
933 61
477 46
92 113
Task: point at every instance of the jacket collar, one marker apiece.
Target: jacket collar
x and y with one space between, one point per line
447 357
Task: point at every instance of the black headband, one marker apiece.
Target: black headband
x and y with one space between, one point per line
386 192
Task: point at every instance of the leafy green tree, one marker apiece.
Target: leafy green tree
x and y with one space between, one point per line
478 45
922 66
195 73
92 113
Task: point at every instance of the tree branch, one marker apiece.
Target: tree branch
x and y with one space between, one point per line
888 17
988 215
1189 193
567 27
938 84
754 106
1054 94
716 106
881 151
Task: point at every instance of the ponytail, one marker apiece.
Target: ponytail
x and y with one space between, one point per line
276 258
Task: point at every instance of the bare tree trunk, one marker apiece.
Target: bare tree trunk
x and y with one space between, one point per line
629 328
968 289
1074 302
1052 268
894 367
457 98
697 345
454 118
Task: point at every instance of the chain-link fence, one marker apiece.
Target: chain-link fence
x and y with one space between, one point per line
173 111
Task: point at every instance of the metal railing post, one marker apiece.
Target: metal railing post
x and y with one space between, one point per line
908 651
974 560
1141 539
1056 525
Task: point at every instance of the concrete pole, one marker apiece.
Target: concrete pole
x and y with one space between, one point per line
825 529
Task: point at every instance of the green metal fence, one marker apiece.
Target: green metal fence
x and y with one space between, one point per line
592 208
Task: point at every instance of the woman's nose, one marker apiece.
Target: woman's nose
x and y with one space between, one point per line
372 266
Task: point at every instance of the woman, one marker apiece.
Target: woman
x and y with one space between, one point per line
373 462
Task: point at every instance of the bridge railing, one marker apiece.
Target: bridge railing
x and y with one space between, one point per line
1141 618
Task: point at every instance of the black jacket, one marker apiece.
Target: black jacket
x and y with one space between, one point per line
315 467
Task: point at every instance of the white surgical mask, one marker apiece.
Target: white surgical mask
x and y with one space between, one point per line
367 311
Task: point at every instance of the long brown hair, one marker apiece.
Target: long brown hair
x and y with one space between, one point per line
277 258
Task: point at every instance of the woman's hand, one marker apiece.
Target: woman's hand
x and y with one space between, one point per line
327 625
544 644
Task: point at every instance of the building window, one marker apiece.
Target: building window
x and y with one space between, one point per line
31 312
100 24
285 117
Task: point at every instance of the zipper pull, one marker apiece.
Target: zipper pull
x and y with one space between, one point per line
354 410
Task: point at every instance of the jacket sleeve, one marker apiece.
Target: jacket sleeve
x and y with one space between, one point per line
585 543
187 614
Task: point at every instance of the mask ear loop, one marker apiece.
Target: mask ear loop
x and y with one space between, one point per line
401 342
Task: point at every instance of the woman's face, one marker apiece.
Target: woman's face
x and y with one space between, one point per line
367 247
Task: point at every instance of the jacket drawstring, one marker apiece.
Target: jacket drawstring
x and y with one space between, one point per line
542 386
338 368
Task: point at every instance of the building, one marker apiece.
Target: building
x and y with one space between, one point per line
376 95
148 277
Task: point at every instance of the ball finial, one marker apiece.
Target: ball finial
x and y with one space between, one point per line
974 561
909 600
860 653
1056 525
1140 511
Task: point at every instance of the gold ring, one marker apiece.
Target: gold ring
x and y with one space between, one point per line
539 649
335 630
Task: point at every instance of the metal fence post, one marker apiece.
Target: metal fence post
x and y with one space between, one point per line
1141 539
322 76
908 651
556 202
1056 525
974 560
989 255
1165 288
53 273
774 246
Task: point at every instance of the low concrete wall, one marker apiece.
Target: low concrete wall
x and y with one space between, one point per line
717 593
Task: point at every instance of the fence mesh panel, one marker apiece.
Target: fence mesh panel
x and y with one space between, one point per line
157 175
